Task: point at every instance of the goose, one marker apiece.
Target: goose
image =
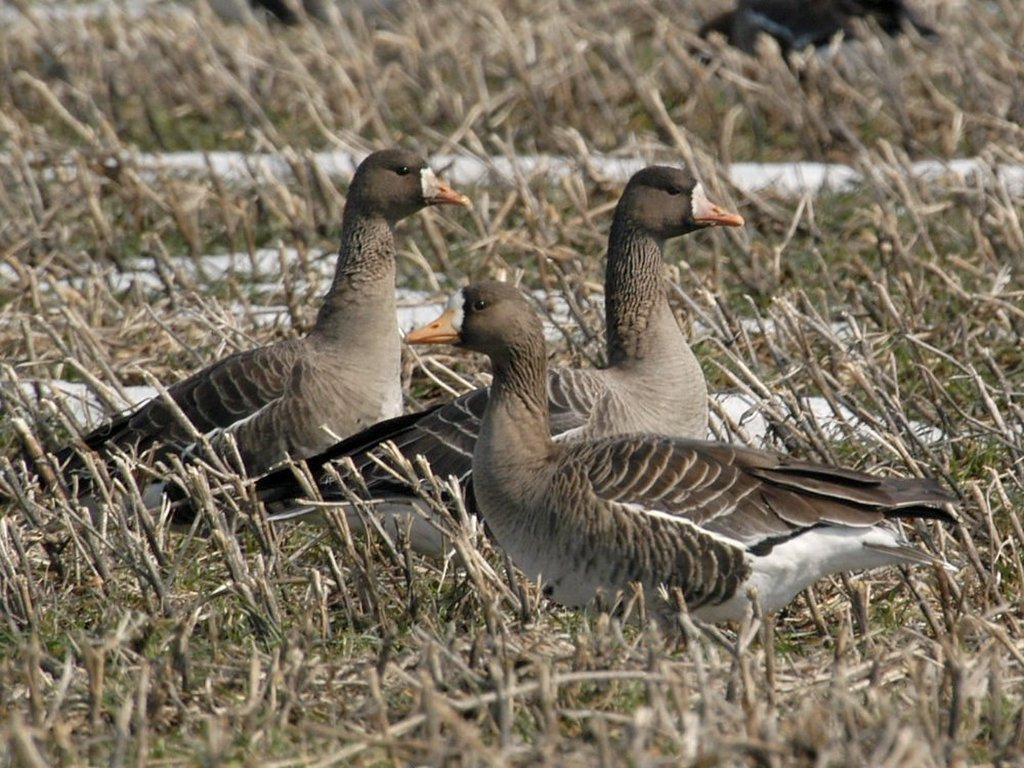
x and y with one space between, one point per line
711 522
652 381
295 398
796 24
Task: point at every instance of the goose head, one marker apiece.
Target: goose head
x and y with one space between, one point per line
668 202
398 183
489 317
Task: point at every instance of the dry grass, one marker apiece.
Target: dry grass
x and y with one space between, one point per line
125 643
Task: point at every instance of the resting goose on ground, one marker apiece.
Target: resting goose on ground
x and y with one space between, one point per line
652 382
295 397
589 516
796 24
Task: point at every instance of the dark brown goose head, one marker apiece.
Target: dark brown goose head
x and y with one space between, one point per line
668 202
396 183
487 317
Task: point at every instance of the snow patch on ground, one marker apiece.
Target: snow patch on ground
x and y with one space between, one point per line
793 179
745 415
80 400
416 308
746 419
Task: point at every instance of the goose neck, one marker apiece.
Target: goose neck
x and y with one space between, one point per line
635 294
517 415
364 277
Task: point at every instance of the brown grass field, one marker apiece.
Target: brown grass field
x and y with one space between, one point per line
123 642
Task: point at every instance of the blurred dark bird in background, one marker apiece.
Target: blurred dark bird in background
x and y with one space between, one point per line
796 24
291 12
279 9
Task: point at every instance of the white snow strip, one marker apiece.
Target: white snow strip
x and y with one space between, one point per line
82 403
742 411
751 426
11 15
788 179
416 308
793 179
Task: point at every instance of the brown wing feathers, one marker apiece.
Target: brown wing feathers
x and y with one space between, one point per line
751 496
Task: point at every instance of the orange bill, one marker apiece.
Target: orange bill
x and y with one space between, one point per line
707 213
436 192
445 195
440 331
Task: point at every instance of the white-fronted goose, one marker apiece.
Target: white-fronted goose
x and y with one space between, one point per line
652 382
796 24
294 398
710 520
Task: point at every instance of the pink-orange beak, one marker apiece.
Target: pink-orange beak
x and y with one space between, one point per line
711 215
436 192
716 217
440 331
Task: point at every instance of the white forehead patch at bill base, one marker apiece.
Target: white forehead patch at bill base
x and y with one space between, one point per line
700 206
455 305
429 183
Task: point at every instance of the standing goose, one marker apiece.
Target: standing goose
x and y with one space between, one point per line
589 516
653 380
294 398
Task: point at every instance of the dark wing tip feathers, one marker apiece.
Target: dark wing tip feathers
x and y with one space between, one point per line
894 497
282 484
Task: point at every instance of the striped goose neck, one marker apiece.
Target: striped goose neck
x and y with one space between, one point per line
365 272
634 291
518 398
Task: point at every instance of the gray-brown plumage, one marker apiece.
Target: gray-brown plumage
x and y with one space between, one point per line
590 516
796 24
296 397
653 380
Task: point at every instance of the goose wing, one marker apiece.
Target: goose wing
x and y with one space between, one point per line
214 397
573 394
752 498
691 515
444 435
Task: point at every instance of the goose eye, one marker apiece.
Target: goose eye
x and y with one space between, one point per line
674 191
479 304
404 170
